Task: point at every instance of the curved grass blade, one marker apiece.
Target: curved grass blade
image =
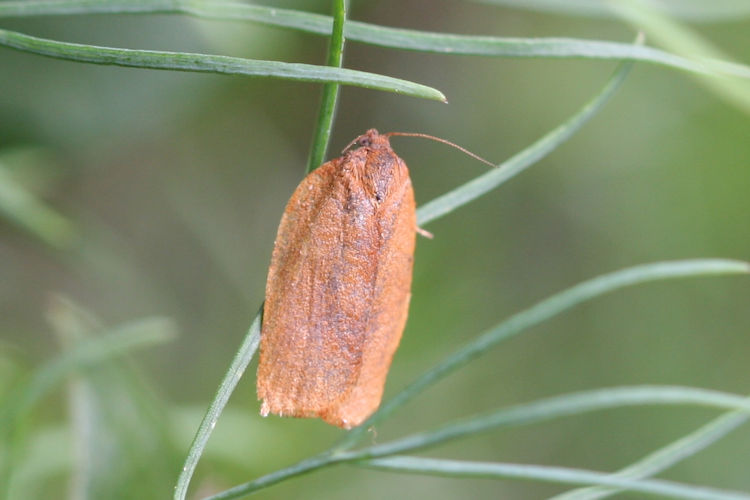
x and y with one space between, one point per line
548 47
690 10
514 325
229 382
543 311
560 406
85 354
563 475
23 208
108 400
330 95
128 337
538 411
687 10
205 63
665 457
443 43
684 41
303 467
478 186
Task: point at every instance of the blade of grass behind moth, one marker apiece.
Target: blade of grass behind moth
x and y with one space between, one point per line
115 342
303 467
24 209
475 188
229 382
125 338
543 311
404 39
103 400
682 40
206 63
525 319
564 475
667 456
556 407
714 11
330 91
524 414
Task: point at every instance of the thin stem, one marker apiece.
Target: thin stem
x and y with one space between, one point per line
398 38
543 311
231 378
322 134
208 63
562 475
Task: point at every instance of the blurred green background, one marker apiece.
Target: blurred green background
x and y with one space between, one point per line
173 185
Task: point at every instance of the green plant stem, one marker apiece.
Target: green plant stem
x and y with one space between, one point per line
692 11
116 342
541 312
547 409
485 183
682 40
404 39
556 407
85 354
228 383
298 469
322 134
205 63
667 456
26 210
563 475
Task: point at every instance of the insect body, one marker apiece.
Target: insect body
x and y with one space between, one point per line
338 287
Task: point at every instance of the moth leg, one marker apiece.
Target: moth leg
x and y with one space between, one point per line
425 233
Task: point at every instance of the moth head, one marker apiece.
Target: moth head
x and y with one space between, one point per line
366 140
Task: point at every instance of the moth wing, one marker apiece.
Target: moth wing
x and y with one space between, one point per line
388 307
303 367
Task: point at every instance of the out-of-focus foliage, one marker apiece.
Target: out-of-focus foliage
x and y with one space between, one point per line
137 193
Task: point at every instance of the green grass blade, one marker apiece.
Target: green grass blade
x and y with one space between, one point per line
23 208
514 325
330 95
85 354
443 43
687 10
110 400
483 184
667 456
563 475
546 409
302 467
684 41
205 63
128 337
206 427
543 311
551 47
561 406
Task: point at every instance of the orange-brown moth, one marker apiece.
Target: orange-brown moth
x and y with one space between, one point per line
339 285
338 288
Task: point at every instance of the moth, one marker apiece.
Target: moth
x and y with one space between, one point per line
339 285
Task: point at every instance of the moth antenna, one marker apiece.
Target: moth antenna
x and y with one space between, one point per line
438 139
349 145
